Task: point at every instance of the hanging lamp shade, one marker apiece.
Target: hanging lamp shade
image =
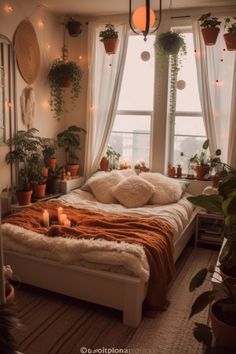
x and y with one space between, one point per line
142 20
139 18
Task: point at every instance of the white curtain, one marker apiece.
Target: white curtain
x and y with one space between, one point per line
104 82
215 70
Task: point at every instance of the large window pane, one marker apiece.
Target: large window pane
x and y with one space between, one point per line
131 137
189 126
188 98
138 79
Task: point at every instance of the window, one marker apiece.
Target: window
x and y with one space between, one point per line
130 134
189 130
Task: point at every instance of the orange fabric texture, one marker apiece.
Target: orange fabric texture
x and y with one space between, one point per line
153 234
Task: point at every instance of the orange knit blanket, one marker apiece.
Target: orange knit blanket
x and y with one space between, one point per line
153 234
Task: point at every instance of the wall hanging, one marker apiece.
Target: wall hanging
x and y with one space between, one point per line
27 51
27 102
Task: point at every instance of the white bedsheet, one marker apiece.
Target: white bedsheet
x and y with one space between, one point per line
97 254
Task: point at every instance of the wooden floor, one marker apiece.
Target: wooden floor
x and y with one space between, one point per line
53 323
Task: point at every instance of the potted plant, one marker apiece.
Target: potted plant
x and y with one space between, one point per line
110 160
73 27
25 146
109 37
203 162
223 312
52 184
210 27
49 147
230 36
36 178
69 139
170 43
62 74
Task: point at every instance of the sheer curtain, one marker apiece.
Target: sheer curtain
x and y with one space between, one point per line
104 81
215 69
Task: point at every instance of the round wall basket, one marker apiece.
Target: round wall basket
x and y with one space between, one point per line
27 51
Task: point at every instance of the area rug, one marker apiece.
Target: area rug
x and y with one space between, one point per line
52 323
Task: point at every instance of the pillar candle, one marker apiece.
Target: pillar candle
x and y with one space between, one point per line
62 218
67 222
59 212
45 218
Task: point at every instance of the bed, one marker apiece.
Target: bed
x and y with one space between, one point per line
106 272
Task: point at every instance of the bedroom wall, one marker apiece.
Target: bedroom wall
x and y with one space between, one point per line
50 42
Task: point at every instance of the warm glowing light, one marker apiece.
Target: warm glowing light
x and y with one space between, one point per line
197 53
48 46
92 108
40 23
8 9
7 104
45 105
139 18
80 57
219 83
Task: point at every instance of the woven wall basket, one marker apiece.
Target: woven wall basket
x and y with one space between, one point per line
27 51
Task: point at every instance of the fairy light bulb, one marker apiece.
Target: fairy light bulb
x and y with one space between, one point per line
40 23
8 9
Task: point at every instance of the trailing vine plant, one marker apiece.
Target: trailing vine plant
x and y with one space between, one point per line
171 44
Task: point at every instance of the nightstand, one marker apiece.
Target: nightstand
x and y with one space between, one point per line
208 228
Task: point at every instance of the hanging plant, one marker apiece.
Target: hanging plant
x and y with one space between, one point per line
171 44
210 28
63 74
230 36
109 37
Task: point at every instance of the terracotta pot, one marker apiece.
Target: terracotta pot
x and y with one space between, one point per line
210 35
110 45
104 164
230 41
73 169
73 28
39 190
10 293
52 163
224 333
45 171
24 197
201 171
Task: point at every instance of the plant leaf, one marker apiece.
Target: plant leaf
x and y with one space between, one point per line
202 301
198 279
211 203
203 334
205 144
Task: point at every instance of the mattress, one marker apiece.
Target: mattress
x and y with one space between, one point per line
118 257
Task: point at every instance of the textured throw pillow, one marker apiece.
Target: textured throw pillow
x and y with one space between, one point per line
133 192
167 190
127 172
102 186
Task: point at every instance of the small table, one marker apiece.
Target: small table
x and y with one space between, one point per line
208 228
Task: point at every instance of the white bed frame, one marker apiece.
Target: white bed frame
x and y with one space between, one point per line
118 291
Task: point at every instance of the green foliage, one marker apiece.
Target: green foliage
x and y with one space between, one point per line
109 32
170 43
112 156
207 21
60 73
69 139
203 334
49 147
25 150
230 26
203 158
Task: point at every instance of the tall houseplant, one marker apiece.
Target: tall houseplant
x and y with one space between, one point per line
223 312
69 139
62 74
109 37
210 27
26 149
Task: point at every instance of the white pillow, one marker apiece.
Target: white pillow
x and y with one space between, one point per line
133 192
167 190
102 186
127 172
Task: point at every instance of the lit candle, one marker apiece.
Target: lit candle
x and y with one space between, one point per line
62 219
59 212
45 218
67 222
